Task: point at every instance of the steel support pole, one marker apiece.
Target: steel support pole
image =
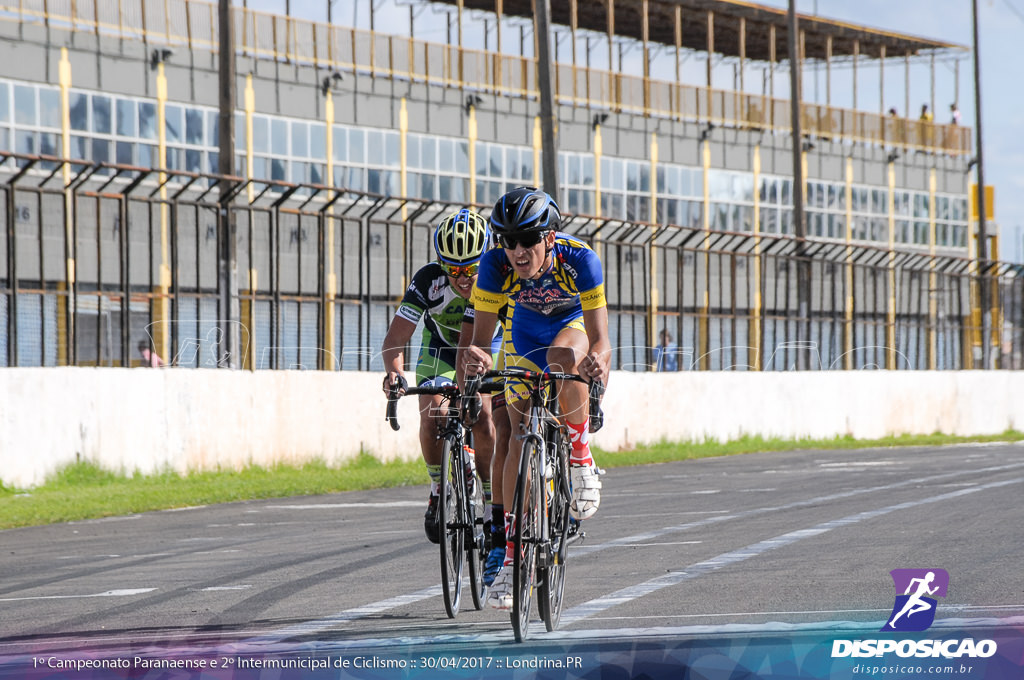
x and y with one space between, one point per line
549 144
799 227
229 310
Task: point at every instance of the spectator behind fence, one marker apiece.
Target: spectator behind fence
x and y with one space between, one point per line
954 114
150 359
666 356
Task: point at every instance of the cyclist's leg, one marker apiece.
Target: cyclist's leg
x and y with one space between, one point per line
434 366
566 351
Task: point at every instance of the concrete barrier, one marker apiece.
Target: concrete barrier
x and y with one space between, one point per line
144 421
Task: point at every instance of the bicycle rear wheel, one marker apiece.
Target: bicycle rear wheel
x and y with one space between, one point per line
528 514
451 505
552 577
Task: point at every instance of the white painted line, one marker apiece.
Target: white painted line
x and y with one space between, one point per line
313 627
333 506
631 593
219 588
859 464
371 609
110 593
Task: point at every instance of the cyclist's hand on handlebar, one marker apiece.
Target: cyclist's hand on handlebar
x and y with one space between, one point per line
475 360
594 366
394 381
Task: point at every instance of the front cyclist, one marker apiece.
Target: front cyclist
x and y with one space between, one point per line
559 323
439 293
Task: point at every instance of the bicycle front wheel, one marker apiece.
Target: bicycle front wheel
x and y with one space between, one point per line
450 511
552 578
528 516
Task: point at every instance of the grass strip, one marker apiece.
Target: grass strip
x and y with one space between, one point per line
84 491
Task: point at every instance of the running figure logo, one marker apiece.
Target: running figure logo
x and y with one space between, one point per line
914 610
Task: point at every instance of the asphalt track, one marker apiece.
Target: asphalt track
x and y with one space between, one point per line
733 546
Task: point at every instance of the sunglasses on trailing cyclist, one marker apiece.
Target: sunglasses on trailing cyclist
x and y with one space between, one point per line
455 271
526 240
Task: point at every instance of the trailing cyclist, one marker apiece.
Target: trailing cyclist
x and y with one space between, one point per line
559 322
439 294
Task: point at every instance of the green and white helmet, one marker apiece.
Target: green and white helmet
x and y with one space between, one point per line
461 238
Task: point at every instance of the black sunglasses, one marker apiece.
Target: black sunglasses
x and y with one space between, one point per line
526 240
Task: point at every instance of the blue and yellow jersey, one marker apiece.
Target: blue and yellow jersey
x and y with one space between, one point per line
573 283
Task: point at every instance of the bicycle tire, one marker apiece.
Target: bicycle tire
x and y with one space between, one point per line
474 538
527 532
552 579
450 523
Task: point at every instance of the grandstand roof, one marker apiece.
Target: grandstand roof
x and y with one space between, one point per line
593 15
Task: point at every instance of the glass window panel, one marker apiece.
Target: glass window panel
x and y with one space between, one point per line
24 105
175 124
512 164
356 149
173 159
213 129
78 110
412 151
446 155
147 155
279 137
49 144
80 147
374 147
5 103
318 141
127 120
126 153
587 171
645 177
392 150
260 134
632 177
49 108
428 153
300 140
193 160
427 186
482 155
298 173
462 160
277 169
102 119
575 176
100 150
259 168
496 160
340 150
194 126
357 179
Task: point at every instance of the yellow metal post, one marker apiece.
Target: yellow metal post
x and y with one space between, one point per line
754 337
933 293
652 252
472 137
890 312
704 328
161 312
848 310
66 318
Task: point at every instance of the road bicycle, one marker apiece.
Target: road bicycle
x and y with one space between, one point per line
460 503
541 527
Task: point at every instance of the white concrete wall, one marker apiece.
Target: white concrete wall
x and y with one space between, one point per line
147 420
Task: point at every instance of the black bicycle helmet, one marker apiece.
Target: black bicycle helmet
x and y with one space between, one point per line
525 209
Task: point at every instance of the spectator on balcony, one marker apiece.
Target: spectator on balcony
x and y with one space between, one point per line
666 354
150 359
924 136
954 114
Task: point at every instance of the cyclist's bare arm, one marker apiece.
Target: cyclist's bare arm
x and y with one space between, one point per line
393 349
477 355
596 363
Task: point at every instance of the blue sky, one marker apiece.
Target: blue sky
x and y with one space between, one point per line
1001 28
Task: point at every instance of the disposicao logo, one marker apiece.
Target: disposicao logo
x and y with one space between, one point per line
914 609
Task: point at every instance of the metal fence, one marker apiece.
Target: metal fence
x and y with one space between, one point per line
99 258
